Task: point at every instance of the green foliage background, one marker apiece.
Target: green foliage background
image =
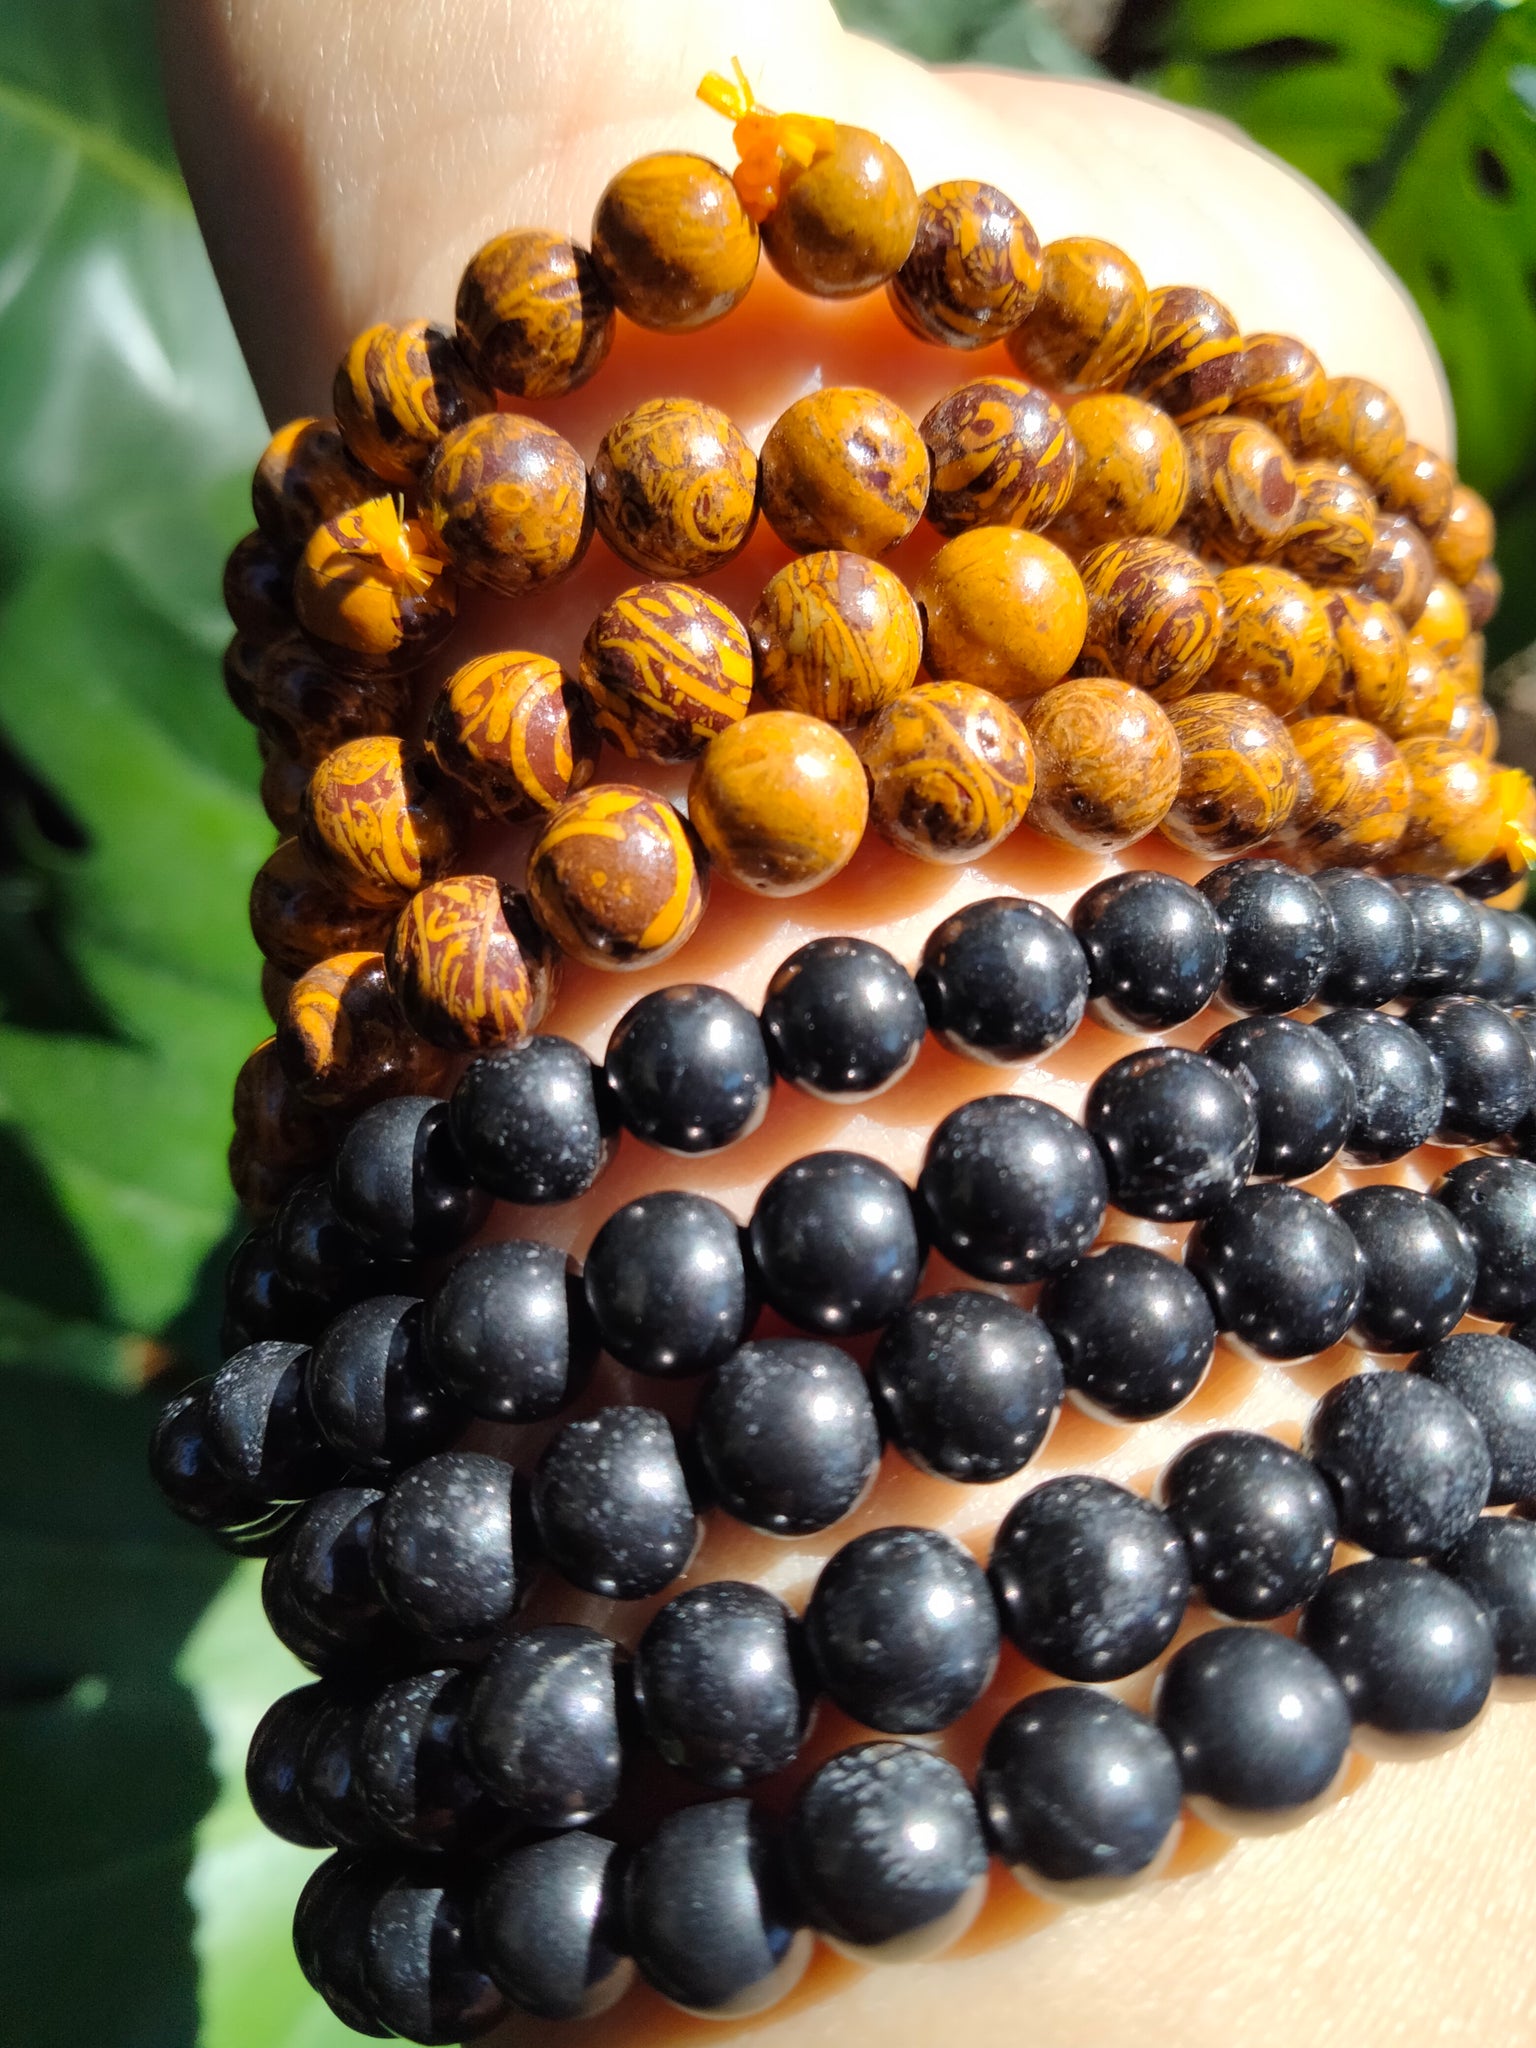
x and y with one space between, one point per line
140 1906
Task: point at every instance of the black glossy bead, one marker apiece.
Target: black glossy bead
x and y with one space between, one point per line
291 1624
258 1301
835 1244
1091 1580
1399 1091
1178 1134
326 1563
1135 1331
1003 980
1374 941
902 1630
843 1019
449 1554
1257 1520
376 1401
1496 1562
1303 1092
721 1684
330 1936
509 1333
1494 1379
182 1465
786 1433
1155 951
422 1974
1520 934
1074 1786
330 1776
272 1764
1011 1189
1494 1201
612 1505
260 1427
534 1122
668 1285
319 1255
1279 934
1493 976
1413 1650
1485 1063
1419 1267
1257 1721
1446 933
688 1069
1283 1271
708 1912
411 1766
542 1727
1406 1461
399 1181
966 1385
886 1851
548 1923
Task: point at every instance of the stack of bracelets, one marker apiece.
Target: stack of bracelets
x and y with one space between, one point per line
1186 583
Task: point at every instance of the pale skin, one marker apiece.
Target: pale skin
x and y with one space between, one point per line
345 160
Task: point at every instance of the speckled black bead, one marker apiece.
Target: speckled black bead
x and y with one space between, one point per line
1520 934
1419 1267
258 1301
1374 943
326 1565
1496 1562
534 1122
835 1244
1283 1272
1155 951
1258 1723
786 1433
450 1555
509 1332
423 1976
1399 1092
1303 1092
1279 934
1494 1379
612 1505
182 1466
1407 1462
966 1385
1493 977
1257 1519
321 1258
1091 1580
902 1630
1134 1331
669 1286
1413 1650
1003 980
1011 1189
548 1925
260 1428
272 1764
886 1852
1076 1788
399 1181
1485 1063
376 1399
721 1682
688 1069
1494 1201
1446 936
331 1777
411 1766
330 1933
303 1637
843 1019
542 1727
1178 1134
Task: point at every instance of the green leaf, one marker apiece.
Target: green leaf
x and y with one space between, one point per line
1013 32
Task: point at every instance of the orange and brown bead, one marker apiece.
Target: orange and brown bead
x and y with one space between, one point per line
1355 792
614 880
306 475
1276 642
1238 776
1154 615
1089 324
258 587
468 965
951 771
1482 593
309 707
379 820
666 668
1132 472
506 501
1242 488
1473 724
1359 424
1465 541
1002 454
371 590
1456 819
1190 362
674 488
974 270
780 803
672 242
1106 763
398 390
238 665
1334 530
533 315
298 916
516 731
274 1123
1278 382
275 986
1429 696
843 467
284 779
1003 609
845 222
1419 484
259 1186
1367 676
342 1041
1400 569
835 635
1445 623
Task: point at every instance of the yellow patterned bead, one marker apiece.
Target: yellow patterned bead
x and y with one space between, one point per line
1238 775
674 488
673 243
298 916
379 820
1455 817
1002 609
1193 353
1359 424
305 476
1106 763
844 468
1367 676
1002 454
343 1043
372 591
780 803
974 270
398 391
613 878
1444 624
1429 696
1401 568
836 636
1089 323
1421 484
1242 488
1154 615
1334 531
468 966
845 223
507 500
1279 382
1276 642
1461 545
517 731
1132 472
534 316
666 668
1355 792
951 771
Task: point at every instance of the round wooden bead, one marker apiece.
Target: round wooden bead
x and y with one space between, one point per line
1189 363
507 501
275 1123
780 803
1355 789
516 731
613 879
1443 624
1242 488
1464 542
1106 763
974 270
1482 593
1334 530
666 668
1366 676
298 917
674 488
1132 472
304 476
836 636
1279 382
371 591
398 390
1154 615
673 243
843 468
1359 424
1238 775
341 1040
1420 484
846 222
1002 609
1429 696
258 587
1276 642
1400 569
951 771
379 820
533 315
468 966
1089 324
1455 821
308 707
1002 454
284 779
